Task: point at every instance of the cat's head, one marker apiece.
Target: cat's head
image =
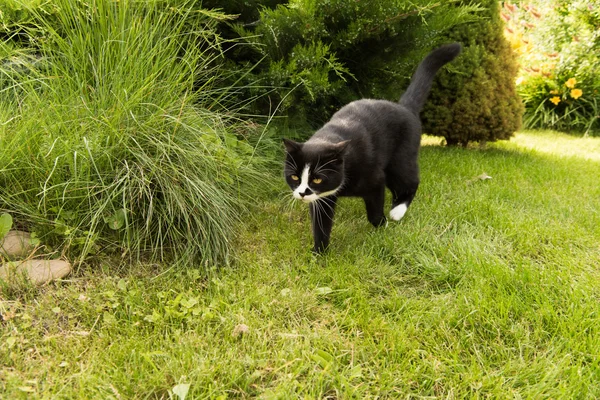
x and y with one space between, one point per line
314 169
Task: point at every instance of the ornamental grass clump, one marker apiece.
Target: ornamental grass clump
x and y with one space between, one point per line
114 143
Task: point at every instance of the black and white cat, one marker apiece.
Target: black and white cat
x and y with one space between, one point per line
366 146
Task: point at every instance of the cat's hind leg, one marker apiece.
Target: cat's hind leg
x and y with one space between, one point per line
403 182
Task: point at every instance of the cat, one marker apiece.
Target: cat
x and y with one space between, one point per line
366 146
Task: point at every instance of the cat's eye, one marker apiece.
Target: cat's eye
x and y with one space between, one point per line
295 177
317 181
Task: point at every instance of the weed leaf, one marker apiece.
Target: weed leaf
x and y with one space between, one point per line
5 224
324 359
117 220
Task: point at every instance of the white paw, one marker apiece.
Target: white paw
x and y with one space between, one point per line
398 212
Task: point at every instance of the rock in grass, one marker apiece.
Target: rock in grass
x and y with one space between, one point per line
16 244
37 271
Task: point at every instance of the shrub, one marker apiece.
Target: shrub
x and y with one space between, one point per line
112 146
476 100
308 57
558 44
247 11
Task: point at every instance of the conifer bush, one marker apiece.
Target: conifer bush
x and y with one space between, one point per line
475 98
306 58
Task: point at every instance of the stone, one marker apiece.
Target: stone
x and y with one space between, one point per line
37 271
16 244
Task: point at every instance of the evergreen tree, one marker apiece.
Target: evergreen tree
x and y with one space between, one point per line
476 99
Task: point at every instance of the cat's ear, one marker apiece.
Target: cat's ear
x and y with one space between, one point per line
341 147
291 146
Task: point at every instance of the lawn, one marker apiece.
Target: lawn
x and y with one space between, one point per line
486 289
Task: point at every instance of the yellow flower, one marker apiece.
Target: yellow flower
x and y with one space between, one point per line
555 100
571 83
554 92
576 93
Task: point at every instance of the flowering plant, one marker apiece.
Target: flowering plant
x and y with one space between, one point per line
558 44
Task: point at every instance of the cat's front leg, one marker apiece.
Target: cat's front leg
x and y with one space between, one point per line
321 216
374 204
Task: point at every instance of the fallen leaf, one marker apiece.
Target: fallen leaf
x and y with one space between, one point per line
8 315
10 342
323 290
482 177
240 330
181 390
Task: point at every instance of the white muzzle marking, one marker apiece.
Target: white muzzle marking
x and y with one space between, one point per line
304 185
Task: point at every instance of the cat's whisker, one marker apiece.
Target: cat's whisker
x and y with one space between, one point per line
323 202
322 171
320 205
314 214
321 168
324 213
290 201
320 219
290 163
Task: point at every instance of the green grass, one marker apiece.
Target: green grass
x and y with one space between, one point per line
487 289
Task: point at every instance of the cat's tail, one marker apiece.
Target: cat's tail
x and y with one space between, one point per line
420 83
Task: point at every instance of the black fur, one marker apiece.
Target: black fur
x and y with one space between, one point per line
366 146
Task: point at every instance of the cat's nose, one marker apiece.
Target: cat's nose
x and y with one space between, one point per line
306 193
